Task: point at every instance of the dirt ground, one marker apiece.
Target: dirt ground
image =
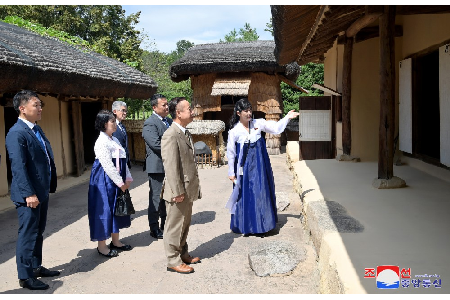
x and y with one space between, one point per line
224 269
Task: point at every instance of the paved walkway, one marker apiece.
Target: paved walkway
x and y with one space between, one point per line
355 226
224 268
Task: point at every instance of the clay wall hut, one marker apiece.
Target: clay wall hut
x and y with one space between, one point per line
223 73
73 84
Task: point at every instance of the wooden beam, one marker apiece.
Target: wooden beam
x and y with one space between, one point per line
362 22
319 18
78 137
292 84
63 156
387 94
422 9
370 33
325 89
374 9
346 97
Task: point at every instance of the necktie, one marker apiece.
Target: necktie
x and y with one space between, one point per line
41 140
125 133
38 135
165 122
189 136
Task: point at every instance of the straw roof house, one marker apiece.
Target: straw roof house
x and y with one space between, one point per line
73 83
223 73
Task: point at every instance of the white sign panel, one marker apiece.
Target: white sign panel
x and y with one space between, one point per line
315 126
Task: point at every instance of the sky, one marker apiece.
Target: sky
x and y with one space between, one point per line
165 25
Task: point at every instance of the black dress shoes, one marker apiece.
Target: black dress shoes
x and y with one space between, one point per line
123 248
111 253
33 284
157 234
44 272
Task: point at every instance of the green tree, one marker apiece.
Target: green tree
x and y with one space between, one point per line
156 64
244 34
311 73
269 27
103 26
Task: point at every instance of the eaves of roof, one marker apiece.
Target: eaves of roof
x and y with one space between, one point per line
31 61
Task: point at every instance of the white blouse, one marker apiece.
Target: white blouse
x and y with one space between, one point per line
238 134
106 149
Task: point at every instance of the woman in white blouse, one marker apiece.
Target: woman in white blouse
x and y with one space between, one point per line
109 174
252 203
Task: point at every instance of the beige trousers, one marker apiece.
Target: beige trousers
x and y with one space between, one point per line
176 230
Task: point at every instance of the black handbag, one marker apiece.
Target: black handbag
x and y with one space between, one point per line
124 206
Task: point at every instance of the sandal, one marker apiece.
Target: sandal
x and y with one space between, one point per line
111 253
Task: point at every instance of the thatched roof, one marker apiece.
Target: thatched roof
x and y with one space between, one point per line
256 56
208 127
304 33
31 61
231 84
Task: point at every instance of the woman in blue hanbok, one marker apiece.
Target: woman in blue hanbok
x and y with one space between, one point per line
109 174
252 203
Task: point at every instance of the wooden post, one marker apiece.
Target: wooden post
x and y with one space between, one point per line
346 97
387 94
63 155
78 137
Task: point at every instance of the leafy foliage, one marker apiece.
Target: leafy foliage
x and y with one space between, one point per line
269 27
311 73
156 64
244 34
104 27
51 32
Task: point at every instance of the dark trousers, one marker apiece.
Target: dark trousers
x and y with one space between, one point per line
32 223
156 206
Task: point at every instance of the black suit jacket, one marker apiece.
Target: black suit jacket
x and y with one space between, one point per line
152 133
29 164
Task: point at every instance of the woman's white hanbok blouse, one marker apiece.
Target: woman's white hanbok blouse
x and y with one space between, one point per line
106 149
238 134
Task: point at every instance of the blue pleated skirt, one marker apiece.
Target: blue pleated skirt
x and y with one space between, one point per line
256 210
101 203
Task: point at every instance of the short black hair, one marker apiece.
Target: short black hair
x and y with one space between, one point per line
154 99
22 97
103 117
173 106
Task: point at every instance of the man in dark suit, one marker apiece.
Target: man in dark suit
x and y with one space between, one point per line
33 178
119 109
181 186
154 128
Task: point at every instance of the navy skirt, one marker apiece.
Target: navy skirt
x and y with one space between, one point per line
101 203
256 209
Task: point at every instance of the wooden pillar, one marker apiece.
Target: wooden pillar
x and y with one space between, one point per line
387 94
346 97
78 137
63 155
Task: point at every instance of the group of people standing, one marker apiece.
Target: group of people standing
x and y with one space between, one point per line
173 179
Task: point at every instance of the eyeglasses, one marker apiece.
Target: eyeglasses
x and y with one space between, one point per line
123 110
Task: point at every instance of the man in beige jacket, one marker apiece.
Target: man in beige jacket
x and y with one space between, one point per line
181 186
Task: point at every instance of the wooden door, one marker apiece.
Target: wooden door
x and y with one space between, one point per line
317 128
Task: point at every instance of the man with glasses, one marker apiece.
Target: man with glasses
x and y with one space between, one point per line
119 109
